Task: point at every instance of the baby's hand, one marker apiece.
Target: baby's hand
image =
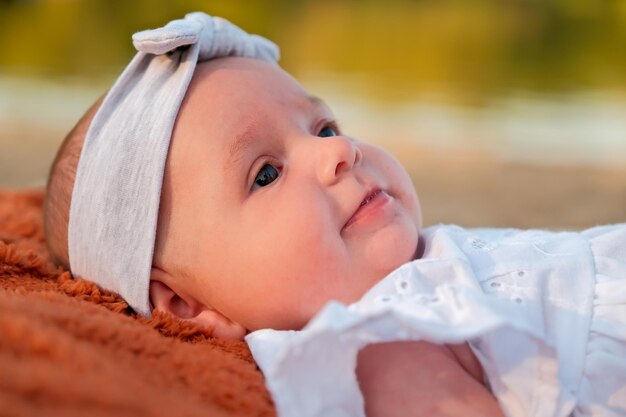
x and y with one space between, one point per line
420 379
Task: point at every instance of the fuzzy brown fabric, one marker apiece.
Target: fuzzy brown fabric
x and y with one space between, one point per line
68 348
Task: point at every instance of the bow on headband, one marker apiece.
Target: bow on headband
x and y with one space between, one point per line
115 201
216 37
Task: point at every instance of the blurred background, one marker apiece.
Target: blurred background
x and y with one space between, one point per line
505 112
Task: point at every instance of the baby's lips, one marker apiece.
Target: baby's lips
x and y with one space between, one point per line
370 191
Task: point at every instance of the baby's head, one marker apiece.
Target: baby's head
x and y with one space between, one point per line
267 209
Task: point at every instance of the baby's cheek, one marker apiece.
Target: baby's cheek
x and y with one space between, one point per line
407 195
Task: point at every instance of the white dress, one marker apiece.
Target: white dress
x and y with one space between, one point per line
544 312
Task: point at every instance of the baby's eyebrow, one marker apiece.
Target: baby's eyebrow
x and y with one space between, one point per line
316 101
242 142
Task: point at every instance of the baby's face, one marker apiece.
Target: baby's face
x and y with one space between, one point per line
275 209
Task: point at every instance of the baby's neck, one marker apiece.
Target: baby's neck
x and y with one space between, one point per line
421 247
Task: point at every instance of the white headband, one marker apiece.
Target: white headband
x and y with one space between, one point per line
115 202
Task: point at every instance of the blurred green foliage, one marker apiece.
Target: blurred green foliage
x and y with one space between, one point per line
467 48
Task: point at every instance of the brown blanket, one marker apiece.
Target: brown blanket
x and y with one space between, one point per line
68 348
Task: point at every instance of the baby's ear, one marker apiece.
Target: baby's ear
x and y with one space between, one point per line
186 307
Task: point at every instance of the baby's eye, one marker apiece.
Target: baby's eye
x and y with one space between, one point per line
267 175
327 131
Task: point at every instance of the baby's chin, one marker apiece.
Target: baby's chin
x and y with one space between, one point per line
394 250
378 269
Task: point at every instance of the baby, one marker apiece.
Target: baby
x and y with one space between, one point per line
210 185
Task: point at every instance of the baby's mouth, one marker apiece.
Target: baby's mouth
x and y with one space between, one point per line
371 202
369 197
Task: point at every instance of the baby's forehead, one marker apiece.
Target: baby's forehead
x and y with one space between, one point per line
242 83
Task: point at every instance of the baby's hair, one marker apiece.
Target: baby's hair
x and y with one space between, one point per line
60 185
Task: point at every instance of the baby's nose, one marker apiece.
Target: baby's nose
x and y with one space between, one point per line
338 155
